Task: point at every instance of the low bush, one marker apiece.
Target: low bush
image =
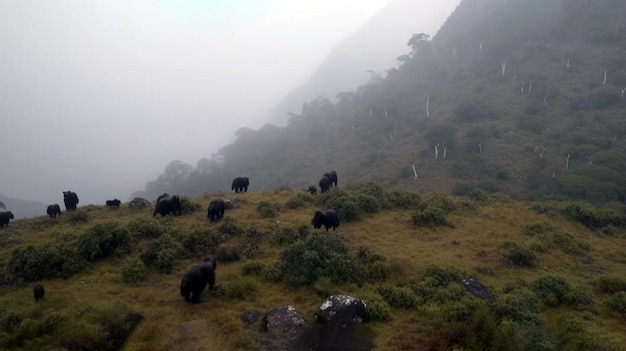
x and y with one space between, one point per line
230 227
345 204
308 260
403 200
253 268
104 240
162 253
228 253
298 201
142 228
78 217
45 262
267 209
134 271
610 285
552 291
593 216
399 297
242 288
200 243
188 205
521 256
378 310
433 280
617 303
288 235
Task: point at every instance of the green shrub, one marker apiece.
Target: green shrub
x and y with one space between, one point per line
538 228
288 235
520 305
200 243
434 279
273 273
229 227
241 289
378 310
266 209
368 203
610 285
45 262
308 260
477 195
104 240
134 271
552 291
78 217
593 216
162 254
228 253
617 303
573 334
298 201
429 217
399 297
142 228
521 256
403 200
188 205
346 205
253 268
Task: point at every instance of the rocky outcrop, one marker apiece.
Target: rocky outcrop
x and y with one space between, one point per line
285 328
477 289
340 311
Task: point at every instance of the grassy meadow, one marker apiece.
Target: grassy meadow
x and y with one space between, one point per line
112 276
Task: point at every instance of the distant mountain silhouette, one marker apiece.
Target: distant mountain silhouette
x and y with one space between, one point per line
374 47
23 208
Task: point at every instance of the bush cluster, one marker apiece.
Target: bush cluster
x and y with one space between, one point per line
433 280
298 201
104 240
288 235
142 228
521 256
45 262
399 297
308 260
188 205
552 291
593 216
266 209
200 243
134 271
162 254
433 212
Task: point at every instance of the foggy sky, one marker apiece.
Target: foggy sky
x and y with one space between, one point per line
99 96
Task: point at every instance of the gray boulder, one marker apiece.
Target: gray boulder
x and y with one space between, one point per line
286 329
477 289
340 311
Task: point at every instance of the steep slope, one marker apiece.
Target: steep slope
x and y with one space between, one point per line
373 47
524 97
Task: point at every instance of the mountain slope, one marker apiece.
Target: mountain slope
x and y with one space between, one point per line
520 96
23 208
373 47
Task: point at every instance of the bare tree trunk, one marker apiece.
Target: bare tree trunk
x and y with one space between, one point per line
567 161
428 107
604 80
414 171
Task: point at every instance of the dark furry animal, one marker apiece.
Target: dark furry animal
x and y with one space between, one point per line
114 203
167 205
216 209
196 279
240 184
326 218
5 217
324 184
39 292
312 190
332 178
162 196
71 200
54 210
139 202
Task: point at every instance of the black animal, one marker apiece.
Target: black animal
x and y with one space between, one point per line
5 217
240 184
162 196
324 184
70 199
196 279
167 205
39 292
216 209
326 218
139 202
312 190
114 203
54 210
332 178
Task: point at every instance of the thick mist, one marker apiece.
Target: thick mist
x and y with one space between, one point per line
99 96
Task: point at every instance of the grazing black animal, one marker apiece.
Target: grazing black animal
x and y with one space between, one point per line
71 200
53 210
5 217
216 209
196 279
326 218
39 292
324 184
162 196
332 178
240 184
139 202
114 203
312 190
167 205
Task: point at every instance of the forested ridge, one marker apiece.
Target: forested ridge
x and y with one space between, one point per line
524 97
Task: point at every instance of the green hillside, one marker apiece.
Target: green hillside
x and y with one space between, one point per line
112 276
524 97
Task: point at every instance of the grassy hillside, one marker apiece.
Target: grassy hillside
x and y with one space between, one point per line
112 275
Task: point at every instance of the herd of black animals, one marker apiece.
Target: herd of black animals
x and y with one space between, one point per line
198 277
